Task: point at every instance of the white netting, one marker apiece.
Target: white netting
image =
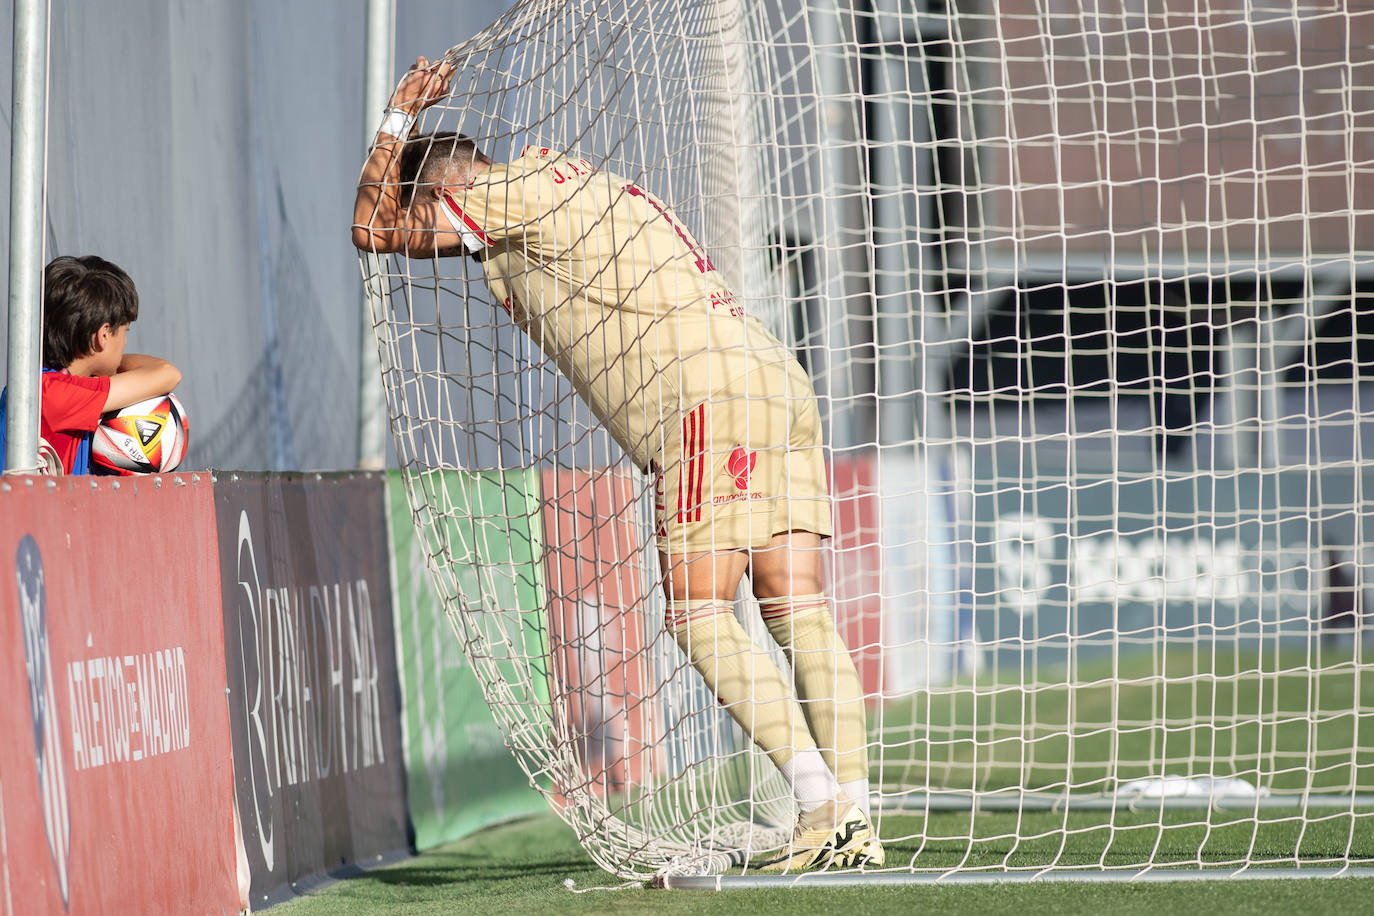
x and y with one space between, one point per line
1083 290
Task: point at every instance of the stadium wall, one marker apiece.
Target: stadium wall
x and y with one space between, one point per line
354 731
137 606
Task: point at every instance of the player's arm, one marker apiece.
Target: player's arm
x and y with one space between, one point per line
140 377
380 223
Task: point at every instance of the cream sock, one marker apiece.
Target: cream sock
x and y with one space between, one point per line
827 682
743 678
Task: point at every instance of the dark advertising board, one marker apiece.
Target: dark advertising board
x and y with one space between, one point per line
115 779
1114 564
314 703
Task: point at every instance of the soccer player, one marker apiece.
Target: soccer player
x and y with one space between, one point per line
88 305
609 282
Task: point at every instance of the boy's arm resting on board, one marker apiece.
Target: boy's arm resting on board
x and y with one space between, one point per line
140 377
380 223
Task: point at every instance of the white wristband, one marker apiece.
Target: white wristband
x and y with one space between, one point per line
397 123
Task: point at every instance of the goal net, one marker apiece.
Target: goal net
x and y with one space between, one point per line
1082 287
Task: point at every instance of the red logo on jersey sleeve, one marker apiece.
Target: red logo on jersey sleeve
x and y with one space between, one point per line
740 465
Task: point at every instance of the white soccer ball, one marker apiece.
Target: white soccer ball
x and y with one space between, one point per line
149 437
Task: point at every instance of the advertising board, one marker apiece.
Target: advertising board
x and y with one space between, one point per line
116 780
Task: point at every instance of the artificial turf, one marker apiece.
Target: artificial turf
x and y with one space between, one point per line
522 867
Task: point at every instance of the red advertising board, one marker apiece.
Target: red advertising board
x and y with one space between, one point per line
115 777
596 594
853 566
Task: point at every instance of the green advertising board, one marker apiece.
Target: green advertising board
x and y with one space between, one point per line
460 774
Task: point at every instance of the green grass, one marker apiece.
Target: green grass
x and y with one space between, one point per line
1289 722
521 867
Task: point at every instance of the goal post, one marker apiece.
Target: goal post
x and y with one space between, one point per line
1082 289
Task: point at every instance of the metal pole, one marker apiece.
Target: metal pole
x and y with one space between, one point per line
378 82
28 150
1242 381
898 134
842 227
1270 442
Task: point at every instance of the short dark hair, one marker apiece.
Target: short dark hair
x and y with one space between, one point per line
425 160
81 295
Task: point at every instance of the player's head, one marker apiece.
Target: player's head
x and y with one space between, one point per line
437 161
88 305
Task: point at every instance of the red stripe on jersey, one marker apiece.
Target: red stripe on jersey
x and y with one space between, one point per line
694 470
684 462
692 466
703 261
467 220
699 468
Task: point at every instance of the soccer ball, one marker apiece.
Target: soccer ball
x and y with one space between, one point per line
144 438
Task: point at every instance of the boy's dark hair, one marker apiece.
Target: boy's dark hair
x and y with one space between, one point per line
426 159
80 295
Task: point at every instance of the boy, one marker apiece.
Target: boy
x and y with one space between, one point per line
88 305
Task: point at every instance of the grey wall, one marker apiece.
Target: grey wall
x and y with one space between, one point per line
211 149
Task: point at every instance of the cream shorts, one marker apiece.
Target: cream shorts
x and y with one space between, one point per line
743 465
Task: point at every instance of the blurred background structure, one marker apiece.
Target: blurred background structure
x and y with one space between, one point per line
212 151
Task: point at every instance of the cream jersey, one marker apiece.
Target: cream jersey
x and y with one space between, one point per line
612 286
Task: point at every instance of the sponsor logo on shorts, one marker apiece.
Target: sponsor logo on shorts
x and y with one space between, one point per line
732 497
740 465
